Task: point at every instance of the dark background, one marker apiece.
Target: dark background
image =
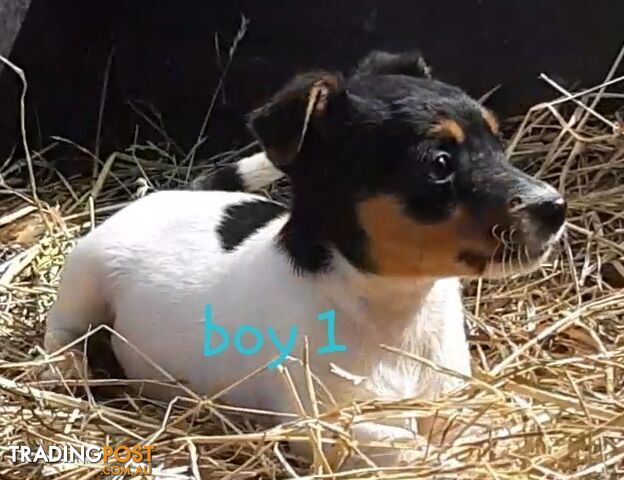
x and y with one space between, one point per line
165 54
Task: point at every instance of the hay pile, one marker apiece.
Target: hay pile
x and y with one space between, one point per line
548 349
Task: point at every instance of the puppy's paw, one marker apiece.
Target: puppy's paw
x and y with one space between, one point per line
71 366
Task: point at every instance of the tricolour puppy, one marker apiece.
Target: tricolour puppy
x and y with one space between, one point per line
399 187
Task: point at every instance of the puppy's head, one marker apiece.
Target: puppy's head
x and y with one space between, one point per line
403 174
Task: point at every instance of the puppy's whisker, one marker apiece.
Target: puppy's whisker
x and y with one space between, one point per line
503 264
520 262
506 265
512 257
493 232
505 239
512 235
492 260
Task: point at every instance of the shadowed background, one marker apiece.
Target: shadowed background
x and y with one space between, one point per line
171 56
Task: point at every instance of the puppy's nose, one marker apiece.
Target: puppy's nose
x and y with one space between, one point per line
550 212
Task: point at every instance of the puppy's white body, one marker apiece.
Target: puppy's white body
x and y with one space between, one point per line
150 270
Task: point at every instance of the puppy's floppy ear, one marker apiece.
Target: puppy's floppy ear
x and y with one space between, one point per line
385 63
302 109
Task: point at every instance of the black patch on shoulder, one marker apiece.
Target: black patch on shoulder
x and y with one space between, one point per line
226 178
241 220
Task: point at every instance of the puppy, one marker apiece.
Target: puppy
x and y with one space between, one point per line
400 187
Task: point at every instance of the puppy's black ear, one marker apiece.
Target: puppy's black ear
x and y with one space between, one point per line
302 110
385 63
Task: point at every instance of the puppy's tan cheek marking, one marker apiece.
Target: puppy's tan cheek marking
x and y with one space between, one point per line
490 120
450 129
399 246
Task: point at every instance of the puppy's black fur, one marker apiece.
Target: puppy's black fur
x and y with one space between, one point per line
226 178
241 220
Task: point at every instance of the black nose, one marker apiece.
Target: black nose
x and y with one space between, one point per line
549 212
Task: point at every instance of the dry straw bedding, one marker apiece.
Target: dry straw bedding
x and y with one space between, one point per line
548 349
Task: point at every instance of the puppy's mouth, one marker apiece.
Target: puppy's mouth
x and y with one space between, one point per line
511 254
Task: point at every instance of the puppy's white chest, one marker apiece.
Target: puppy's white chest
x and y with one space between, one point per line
395 354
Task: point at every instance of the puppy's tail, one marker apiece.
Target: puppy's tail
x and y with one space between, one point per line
249 174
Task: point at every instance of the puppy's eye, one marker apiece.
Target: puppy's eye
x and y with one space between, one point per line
441 167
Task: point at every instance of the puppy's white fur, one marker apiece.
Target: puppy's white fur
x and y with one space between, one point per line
257 172
149 270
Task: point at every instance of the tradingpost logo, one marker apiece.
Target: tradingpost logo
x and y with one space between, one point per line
126 460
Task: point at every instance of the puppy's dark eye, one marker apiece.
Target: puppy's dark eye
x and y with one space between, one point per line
441 167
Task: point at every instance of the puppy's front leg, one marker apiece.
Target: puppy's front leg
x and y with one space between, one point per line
396 438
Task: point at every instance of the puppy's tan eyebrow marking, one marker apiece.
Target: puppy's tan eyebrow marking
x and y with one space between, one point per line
490 119
448 128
